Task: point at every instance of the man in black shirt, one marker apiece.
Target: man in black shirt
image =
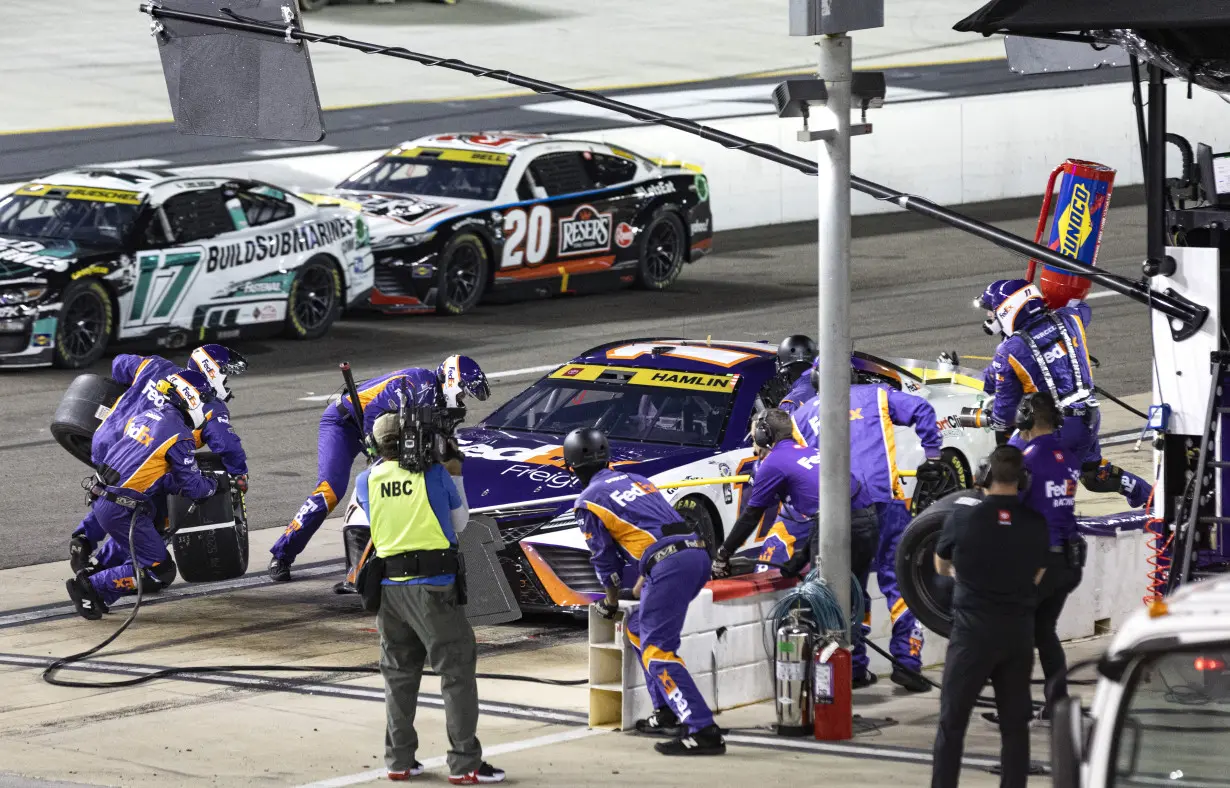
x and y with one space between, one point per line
997 548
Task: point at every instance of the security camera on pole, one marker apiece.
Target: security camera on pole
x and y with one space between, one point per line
837 91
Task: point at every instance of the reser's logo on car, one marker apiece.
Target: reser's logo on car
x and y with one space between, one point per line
556 480
302 239
585 231
655 190
625 234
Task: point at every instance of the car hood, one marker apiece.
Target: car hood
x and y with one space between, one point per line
25 258
403 214
507 469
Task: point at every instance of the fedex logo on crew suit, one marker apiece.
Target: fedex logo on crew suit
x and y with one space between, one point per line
637 490
675 696
153 394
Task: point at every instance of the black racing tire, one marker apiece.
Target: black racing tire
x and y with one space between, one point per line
927 594
307 6
81 410
315 300
1067 730
85 324
697 515
959 477
663 248
219 550
464 268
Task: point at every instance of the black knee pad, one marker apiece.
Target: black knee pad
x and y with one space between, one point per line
1101 477
159 576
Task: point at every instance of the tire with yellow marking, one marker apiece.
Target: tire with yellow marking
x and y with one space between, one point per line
461 279
315 299
697 515
84 326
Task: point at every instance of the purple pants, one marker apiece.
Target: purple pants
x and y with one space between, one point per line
338 444
118 580
907 640
1079 435
92 530
784 538
653 630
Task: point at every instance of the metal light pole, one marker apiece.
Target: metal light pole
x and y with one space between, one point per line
833 334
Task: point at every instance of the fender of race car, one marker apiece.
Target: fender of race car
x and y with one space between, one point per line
692 403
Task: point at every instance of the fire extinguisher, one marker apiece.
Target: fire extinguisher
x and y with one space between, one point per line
795 641
1076 231
832 704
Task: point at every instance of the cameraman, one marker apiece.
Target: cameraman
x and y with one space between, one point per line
416 518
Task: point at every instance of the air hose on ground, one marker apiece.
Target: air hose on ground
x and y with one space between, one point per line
49 675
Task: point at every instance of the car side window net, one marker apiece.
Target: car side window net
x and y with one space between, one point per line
562 173
194 216
606 170
264 209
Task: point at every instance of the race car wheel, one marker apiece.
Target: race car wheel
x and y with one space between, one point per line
211 542
315 300
927 593
662 252
464 267
958 476
84 326
81 409
697 515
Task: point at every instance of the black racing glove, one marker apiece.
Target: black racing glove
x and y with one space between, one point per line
797 563
240 482
721 564
931 472
606 608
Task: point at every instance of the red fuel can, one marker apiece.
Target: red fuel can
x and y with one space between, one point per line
1076 230
832 707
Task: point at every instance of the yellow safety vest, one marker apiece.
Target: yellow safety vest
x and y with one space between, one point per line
400 513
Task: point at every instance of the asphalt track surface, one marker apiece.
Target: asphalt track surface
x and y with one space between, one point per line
912 295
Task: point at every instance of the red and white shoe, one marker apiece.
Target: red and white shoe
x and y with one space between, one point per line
406 774
481 776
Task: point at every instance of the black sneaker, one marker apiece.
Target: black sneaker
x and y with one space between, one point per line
1038 719
344 588
481 776
662 722
80 550
706 741
910 681
85 598
279 570
866 680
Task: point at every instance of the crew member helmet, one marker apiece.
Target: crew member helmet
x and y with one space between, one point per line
189 391
460 376
586 448
1011 304
217 363
797 349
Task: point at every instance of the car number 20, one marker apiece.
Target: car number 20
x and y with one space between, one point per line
528 236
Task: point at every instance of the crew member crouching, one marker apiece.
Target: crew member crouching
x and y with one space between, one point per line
155 456
625 518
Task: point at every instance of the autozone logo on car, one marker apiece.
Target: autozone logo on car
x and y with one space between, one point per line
585 231
301 239
655 190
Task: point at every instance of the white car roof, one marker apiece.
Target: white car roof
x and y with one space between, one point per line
1196 613
154 185
504 142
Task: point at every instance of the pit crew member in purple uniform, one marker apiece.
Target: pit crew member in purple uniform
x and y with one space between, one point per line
341 439
155 456
795 356
625 519
875 409
142 374
1045 350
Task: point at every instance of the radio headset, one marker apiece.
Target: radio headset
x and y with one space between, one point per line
983 476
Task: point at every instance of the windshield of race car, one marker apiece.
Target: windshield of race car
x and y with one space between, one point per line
462 180
648 414
87 221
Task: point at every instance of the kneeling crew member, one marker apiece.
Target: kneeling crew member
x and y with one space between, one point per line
997 547
625 519
1052 493
415 519
155 456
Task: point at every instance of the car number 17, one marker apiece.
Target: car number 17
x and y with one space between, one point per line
527 236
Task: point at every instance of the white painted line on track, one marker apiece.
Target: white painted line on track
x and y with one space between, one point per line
292 151
508 373
1101 294
439 760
